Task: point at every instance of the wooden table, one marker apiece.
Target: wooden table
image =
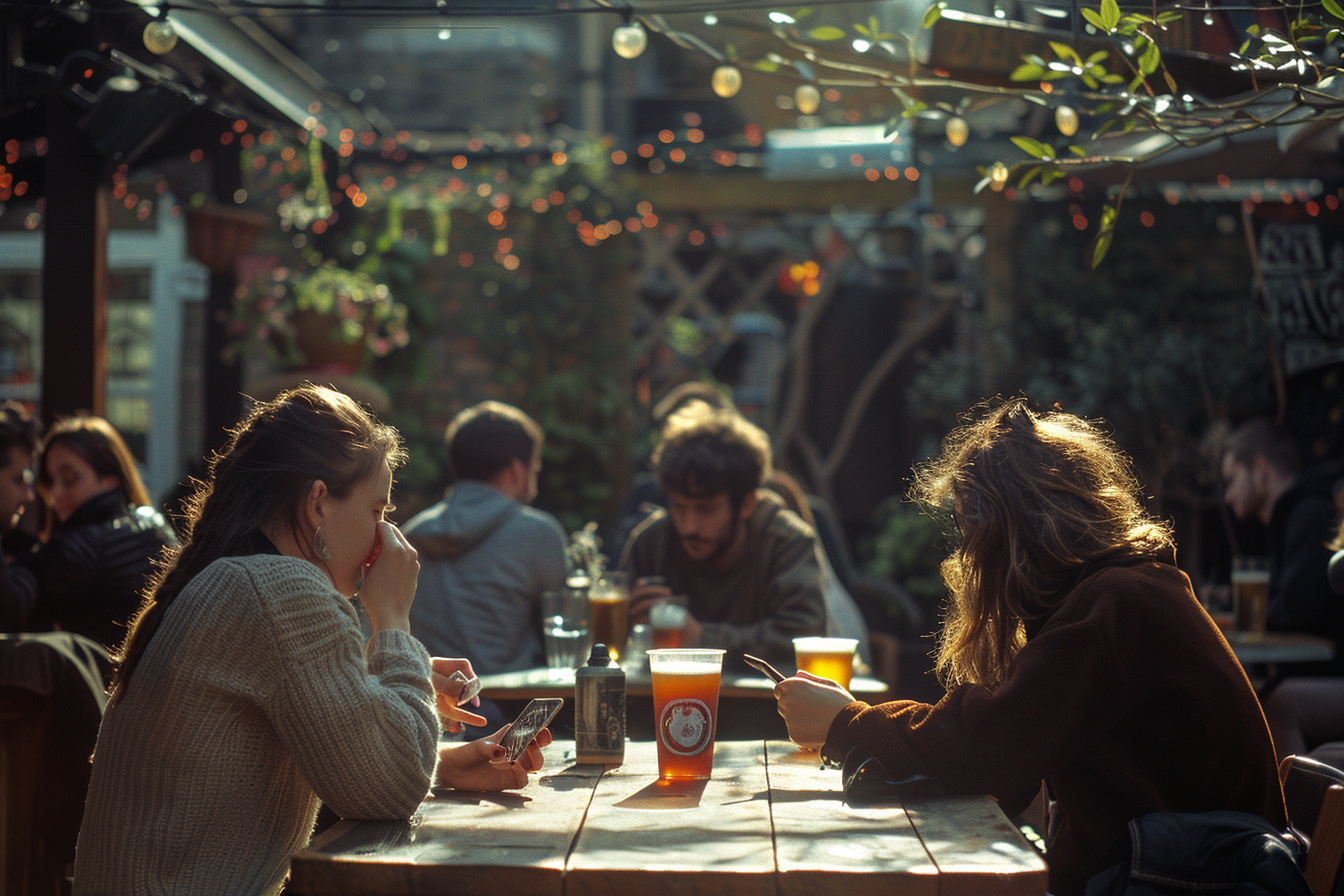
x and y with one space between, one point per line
769 822
746 702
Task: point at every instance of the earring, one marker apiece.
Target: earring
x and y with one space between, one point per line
320 544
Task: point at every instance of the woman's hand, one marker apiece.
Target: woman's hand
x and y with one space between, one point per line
448 690
389 580
481 764
809 704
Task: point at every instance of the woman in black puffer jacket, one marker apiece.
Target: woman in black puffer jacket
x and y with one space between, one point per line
103 536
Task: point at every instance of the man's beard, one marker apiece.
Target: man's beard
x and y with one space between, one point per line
721 548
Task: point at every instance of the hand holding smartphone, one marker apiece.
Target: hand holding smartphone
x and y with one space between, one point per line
534 717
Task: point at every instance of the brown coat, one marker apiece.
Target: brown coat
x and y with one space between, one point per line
1126 700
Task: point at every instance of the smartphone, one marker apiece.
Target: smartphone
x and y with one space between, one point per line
761 665
534 717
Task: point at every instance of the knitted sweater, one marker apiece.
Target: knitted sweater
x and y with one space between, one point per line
1126 700
253 702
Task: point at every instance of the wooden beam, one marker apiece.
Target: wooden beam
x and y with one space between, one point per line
74 271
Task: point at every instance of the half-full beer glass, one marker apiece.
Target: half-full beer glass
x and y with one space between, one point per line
685 710
831 658
609 603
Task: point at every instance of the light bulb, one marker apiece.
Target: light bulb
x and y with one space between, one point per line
957 131
807 98
1066 120
998 176
1208 16
629 40
160 36
727 81
445 33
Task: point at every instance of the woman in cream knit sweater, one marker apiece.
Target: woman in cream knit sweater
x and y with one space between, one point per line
245 692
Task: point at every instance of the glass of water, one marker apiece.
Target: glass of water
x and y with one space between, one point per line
565 629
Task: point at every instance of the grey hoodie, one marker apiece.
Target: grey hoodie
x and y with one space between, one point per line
485 559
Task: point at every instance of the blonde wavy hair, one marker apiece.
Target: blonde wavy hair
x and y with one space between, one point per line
1037 498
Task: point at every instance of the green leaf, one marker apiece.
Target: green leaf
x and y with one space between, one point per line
1113 78
1253 30
765 65
1090 81
874 25
1066 52
1027 72
1098 57
1171 82
1333 7
1032 174
826 32
1150 59
933 14
1034 148
1078 151
1170 15
1105 233
802 12
1110 14
1050 175
862 30
1095 20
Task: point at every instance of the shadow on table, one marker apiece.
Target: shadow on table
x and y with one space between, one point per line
675 794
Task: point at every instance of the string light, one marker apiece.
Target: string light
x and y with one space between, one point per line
1066 119
957 131
160 36
998 176
629 40
807 98
727 81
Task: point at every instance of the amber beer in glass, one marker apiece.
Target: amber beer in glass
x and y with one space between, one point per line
609 605
831 658
667 618
1250 594
685 710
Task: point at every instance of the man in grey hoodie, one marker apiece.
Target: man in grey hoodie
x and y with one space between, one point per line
485 556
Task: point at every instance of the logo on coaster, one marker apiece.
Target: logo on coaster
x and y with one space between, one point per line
686 726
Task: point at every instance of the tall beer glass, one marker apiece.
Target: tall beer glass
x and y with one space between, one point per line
609 603
685 710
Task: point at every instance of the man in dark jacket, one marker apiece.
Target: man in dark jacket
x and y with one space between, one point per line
748 566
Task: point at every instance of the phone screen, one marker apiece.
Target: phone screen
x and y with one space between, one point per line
534 717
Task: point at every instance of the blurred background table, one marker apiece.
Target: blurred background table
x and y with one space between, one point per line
768 822
1265 655
746 702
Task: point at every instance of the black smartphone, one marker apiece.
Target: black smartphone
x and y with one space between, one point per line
762 666
534 717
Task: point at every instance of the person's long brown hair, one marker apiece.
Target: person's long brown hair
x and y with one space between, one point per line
1038 498
102 448
263 475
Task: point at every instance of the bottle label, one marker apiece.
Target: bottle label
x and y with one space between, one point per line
599 721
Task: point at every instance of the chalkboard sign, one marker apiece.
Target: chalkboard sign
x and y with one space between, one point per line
1303 268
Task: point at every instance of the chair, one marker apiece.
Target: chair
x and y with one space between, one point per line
1314 794
51 704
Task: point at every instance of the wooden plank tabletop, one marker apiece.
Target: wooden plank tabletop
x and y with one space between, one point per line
670 838
768 823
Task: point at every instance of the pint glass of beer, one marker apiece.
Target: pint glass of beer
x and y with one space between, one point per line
685 710
667 618
831 658
609 603
1250 593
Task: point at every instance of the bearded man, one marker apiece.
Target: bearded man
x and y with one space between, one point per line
749 567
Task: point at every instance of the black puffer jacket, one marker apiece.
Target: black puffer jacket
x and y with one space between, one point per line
91 573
